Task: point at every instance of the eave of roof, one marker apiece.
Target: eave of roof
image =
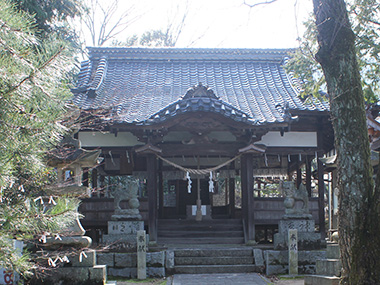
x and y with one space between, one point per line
229 54
144 86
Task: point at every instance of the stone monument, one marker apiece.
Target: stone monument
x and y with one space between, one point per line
298 218
125 222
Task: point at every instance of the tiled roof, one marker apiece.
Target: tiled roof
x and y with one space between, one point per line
145 86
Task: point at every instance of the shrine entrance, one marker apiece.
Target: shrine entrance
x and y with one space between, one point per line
178 198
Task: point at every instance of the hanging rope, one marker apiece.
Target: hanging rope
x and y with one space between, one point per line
198 171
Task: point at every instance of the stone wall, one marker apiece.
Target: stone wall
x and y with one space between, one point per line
277 261
125 264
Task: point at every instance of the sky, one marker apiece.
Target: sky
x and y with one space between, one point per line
222 23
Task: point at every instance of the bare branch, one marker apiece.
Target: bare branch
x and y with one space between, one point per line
259 3
104 22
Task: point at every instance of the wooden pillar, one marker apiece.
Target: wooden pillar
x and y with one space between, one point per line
94 178
85 177
152 196
321 200
308 175
177 197
321 185
226 191
231 187
160 191
94 181
299 175
247 195
101 180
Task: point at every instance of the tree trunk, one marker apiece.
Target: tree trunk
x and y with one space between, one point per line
359 219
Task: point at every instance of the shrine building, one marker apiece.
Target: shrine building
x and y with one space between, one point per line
208 133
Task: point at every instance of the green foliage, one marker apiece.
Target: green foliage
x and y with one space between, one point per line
33 95
365 19
50 15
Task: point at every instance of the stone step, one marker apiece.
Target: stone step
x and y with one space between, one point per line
201 240
190 222
231 252
332 251
200 227
226 260
186 234
328 267
204 269
321 280
220 223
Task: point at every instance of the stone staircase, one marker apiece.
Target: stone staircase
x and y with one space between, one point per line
213 231
215 260
327 270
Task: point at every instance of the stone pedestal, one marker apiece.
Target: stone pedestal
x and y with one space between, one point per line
296 218
123 231
307 237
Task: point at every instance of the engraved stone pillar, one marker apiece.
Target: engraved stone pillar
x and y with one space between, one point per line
293 252
141 255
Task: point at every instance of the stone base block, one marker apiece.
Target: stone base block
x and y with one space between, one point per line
306 240
333 251
155 259
321 280
301 225
106 259
98 272
70 241
120 238
121 260
125 260
123 231
86 259
131 272
124 227
75 276
258 256
169 261
329 267
277 261
127 272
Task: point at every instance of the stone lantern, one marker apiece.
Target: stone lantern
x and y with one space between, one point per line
70 159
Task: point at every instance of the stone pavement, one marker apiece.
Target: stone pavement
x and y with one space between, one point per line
219 279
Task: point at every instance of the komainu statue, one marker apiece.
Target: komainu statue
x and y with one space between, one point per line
292 194
127 193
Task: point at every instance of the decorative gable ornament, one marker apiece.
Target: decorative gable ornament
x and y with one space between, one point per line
200 91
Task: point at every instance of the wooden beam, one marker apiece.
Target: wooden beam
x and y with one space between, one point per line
224 149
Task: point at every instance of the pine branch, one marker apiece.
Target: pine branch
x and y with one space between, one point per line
35 71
